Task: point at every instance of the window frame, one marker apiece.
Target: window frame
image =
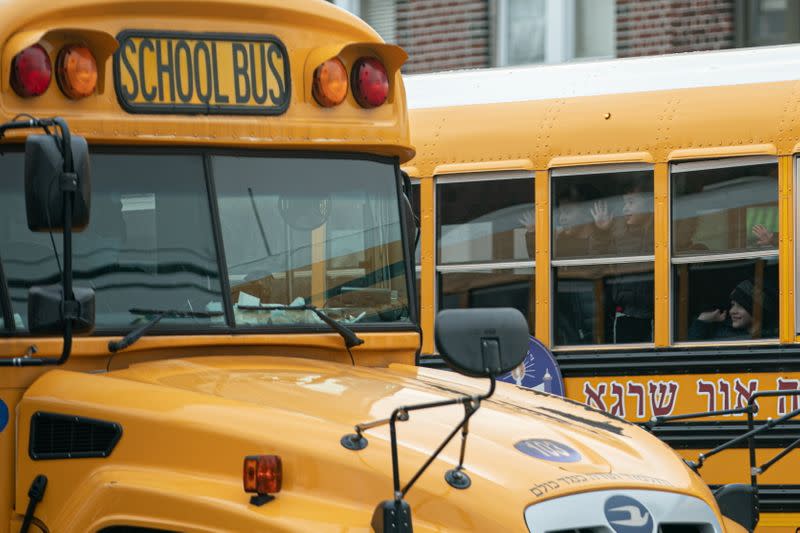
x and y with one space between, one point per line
588 170
700 165
472 177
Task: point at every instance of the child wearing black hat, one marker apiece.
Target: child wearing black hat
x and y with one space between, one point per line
738 322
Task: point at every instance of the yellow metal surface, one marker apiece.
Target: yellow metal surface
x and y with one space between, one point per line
203 415
662 268
786 207
192 406
427 293
301 25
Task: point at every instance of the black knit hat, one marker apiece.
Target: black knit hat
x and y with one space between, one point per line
743 295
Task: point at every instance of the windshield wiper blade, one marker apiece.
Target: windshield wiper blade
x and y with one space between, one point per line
349 336
157 314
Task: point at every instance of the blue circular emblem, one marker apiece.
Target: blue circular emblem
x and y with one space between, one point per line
548 450
3 415
626 515
538 371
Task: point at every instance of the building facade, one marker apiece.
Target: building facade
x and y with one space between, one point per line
454 34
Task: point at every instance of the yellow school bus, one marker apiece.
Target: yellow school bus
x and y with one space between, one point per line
641 213
209 321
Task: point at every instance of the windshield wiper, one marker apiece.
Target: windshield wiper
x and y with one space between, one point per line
350 338
157 314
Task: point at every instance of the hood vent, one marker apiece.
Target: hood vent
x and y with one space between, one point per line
56 436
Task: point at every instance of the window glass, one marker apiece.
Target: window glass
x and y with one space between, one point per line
526 25
594 28
324 232
726 209
149 243
603 304
485 221
770 22
603 215
726 300
489 288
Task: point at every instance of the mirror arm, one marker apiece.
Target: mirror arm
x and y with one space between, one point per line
68 184
471 405
5 300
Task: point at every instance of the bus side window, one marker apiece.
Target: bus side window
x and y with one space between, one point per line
484 236
725 249
602 243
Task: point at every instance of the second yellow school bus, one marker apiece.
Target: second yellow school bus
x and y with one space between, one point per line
249 255
642 214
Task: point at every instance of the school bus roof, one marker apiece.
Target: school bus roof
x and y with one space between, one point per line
205 106
19 13
594 78
640 110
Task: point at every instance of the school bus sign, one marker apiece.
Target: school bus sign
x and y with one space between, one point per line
209 73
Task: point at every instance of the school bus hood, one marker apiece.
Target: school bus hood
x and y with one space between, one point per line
523 446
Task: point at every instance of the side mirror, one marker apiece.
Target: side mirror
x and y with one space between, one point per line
482 342
739 502
45 310
44 199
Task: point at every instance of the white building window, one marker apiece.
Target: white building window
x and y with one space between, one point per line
380 14
553 31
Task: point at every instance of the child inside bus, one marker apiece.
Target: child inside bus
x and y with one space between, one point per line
740 320
629 235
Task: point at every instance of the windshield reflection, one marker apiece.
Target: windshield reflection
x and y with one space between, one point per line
322 232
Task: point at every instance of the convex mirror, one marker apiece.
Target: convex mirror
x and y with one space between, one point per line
482 342
44 200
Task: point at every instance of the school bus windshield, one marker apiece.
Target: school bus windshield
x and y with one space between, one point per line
321 231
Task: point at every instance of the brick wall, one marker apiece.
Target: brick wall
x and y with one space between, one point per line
649 27
444 34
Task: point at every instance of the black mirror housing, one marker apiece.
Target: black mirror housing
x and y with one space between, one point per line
739 502
482 342
45 310
44 200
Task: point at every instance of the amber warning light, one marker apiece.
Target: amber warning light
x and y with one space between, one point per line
76 71
330 83
262 475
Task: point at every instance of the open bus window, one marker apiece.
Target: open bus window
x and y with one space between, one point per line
149 243
485 241
725 249
602 242
324 232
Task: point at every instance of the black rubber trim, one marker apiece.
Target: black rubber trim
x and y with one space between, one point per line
776 498
703 436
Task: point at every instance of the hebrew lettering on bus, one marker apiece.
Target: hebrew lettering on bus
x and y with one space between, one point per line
722 395
743 393
618 393
637 391
788 384
594 397
659 397
662 396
